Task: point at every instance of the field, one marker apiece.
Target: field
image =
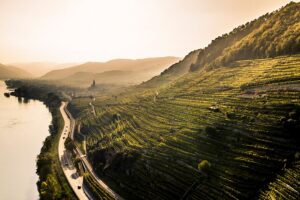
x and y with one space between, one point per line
243 118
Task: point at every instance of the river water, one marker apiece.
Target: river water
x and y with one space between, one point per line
23 128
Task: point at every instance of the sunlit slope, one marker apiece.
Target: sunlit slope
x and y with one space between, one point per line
173 72
243 118
273 34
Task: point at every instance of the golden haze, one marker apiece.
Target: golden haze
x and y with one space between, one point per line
79 31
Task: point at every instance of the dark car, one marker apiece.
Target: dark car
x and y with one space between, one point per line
79 187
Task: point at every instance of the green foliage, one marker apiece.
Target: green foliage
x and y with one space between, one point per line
204 166
210 130
69 144
274 34
245 141
50 189
52 183
148 149
97 190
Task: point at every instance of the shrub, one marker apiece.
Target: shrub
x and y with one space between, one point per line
204 166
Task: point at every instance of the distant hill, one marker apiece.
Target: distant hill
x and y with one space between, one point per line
120 71
117 77
38 69
8 72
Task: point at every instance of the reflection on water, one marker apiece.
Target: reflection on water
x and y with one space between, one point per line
23 128
20 99
23 100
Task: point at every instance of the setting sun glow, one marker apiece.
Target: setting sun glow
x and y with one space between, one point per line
77 31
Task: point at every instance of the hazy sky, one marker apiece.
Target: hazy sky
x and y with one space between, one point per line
99 30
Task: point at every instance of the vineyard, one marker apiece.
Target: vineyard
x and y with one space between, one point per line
91 184
243 118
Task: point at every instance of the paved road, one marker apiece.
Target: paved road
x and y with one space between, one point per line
69 170
71 126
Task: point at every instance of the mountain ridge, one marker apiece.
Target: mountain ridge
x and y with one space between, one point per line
9 72
273 34
117 64
38 69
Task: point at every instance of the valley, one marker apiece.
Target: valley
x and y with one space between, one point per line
223 122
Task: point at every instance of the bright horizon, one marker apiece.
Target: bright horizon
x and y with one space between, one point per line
101 30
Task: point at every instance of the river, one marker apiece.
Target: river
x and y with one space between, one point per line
23 128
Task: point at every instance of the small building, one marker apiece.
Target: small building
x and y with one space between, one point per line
93 84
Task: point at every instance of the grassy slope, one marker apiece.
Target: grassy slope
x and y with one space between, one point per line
149 148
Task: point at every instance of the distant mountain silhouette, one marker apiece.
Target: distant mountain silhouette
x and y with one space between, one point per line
9 72
38 69
120 71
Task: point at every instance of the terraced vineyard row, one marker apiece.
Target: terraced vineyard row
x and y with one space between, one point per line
95 188
242 118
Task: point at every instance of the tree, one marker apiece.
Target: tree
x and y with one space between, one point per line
50 189
69 144
204 166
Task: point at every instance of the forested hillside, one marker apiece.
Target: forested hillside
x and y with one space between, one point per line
230 131
274 34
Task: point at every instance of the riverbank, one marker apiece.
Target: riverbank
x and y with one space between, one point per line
52 183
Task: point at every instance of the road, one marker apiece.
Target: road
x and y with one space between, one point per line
100 182
67 166
70 122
